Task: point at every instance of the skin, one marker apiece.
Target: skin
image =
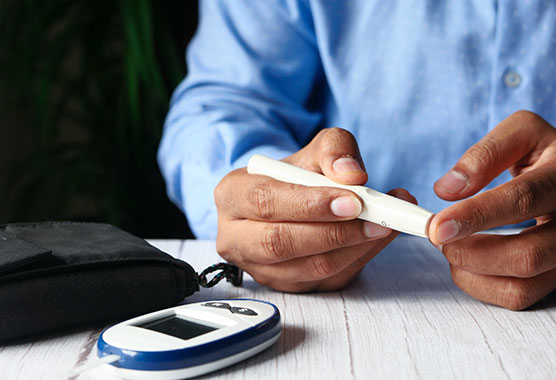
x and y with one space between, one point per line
295 238
288 238
511 271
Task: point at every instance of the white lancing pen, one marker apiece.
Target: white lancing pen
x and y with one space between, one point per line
378 207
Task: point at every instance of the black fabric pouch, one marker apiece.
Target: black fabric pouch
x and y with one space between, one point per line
60 274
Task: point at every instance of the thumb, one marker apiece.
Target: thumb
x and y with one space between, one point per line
515 138
336 153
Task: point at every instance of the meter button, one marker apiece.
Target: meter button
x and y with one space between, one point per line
243 311
219 305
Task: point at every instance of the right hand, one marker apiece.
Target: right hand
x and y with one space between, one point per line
296 238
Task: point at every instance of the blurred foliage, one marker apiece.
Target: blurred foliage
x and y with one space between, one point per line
85 87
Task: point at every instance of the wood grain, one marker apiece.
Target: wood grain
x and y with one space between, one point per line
402 318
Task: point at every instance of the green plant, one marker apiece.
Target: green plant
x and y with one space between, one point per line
85 87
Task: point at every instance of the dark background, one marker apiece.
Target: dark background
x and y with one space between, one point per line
84 89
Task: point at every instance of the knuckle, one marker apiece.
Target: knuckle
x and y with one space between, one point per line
311 204
226 250
515 296
321 266
532 122
219 192
456 276
526 194
527 118
455 255
337 236
277 243
262 279
221 246
262 199
479 217
480 155
459 277
529 260
332 136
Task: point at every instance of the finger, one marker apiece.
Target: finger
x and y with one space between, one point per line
262 198
311 272
515 138
269 243
522 255
336 282
525 197
509 292
265 243
333 152
349 274
403 194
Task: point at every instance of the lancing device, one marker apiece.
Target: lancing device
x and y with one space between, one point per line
378 207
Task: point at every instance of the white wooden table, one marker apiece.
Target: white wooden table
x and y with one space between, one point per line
402 319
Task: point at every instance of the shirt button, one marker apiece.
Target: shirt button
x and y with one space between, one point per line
512 79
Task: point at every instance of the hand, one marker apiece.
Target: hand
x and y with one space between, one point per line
511 271
296 238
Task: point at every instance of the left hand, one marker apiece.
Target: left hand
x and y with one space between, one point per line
511 271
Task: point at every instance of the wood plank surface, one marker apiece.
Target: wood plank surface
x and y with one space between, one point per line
401 319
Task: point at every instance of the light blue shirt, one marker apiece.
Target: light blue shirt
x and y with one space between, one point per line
416 82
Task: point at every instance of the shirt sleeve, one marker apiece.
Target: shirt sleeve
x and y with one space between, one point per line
252 67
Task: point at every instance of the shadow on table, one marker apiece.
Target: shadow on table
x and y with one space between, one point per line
292 336
546 303
419 275
405 273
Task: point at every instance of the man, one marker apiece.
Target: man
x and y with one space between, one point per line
421 91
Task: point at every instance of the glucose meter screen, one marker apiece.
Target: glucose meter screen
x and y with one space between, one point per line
178 327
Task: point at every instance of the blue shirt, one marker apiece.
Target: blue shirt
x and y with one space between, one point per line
416 82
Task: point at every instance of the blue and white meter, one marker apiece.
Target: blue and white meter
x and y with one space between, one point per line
189 340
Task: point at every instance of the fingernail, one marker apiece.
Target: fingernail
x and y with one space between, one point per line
453 182
346 206
372 230
346 165
447 230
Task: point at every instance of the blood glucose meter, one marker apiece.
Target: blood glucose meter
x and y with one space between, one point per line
189 340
